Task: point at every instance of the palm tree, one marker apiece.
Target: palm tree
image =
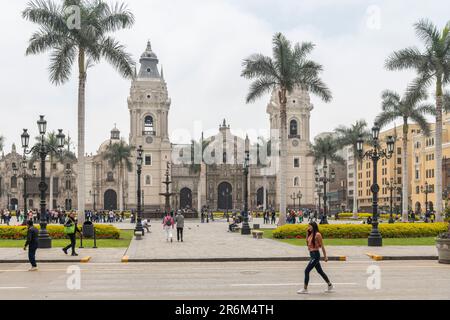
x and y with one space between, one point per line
325 149
119 154
432 67
409 107
289 69
348 136
85 46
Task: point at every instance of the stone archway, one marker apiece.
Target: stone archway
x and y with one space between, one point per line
186 198
14 204
225 196
418 208
260 197
110 200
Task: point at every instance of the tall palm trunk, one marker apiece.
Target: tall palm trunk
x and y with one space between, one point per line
405 171
355 185
438 173
81 134
120 187
283 154
51 185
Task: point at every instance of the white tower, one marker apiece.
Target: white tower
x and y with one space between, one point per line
149 106
300 168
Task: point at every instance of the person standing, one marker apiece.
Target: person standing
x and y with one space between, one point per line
168 225
7 217
32 244
70 229
179 219
314 242
274 217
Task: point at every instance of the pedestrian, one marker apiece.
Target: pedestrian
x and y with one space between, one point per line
71 229
179 219
168 225
146 225
314 242
7 217
32 244
274 217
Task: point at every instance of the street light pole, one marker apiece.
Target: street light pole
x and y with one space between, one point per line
426 190
293 197
325 179
391 186
43 149
139 228
375 154
245 226
25 176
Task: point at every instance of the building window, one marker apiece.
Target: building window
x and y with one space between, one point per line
110 176
54 166
296 182
149 125
296 162
293 131
148 160
417 190
148 180
13 182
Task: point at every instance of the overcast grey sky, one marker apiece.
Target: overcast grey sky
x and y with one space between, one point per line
201 44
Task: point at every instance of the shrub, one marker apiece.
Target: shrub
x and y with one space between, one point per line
56 232
358 231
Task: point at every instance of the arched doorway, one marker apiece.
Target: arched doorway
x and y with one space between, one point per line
186 198
110 200
224 197
260 197
418 208
68 205
14 204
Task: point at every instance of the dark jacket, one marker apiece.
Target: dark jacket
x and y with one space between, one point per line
32 237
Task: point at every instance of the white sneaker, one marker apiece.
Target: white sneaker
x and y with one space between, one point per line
303 291
33 269
330 289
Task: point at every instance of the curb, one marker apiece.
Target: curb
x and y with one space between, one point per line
401 258
126 259
45 261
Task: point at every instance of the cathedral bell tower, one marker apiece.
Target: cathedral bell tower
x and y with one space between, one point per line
149 106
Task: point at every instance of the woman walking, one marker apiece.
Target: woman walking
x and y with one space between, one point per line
168 225
314 241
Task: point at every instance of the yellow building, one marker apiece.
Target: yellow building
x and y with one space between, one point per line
424 162
388 170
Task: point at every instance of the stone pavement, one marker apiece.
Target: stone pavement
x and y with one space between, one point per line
212 242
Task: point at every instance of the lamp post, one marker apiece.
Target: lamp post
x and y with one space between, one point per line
375 154
391 186
25 177
294 197
245 226
68 173
43 149
426 190
325 179
139 229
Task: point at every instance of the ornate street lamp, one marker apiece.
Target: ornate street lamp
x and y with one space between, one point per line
139 229
375 154
325 179
245 226
299 197
43 149
426 190
391 186
294 197
25 176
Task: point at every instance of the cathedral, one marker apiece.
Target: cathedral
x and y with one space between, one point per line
205 173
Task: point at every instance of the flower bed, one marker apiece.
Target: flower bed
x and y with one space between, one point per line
56 232
357 231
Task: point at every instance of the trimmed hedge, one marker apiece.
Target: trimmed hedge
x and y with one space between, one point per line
364 216
358 231
56 232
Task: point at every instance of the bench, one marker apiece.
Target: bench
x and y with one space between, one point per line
257 234
256 226
138 235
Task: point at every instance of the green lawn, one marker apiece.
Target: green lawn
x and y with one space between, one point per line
123 242
358 242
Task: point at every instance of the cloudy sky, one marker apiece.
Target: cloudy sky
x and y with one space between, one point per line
201 44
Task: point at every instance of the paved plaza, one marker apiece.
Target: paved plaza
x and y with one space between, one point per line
408 280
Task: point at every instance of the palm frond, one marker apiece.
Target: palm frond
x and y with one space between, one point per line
45 13
259 88
405 59
61 62
117 17
427 31
116 55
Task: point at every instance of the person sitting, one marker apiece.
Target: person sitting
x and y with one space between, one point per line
232 226
146 225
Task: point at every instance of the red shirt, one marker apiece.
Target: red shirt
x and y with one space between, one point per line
318 243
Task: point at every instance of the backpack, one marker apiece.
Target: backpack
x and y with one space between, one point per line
69 227
168 222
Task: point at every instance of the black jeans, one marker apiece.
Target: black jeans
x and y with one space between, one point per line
315 263
180 234
72 243
32 255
